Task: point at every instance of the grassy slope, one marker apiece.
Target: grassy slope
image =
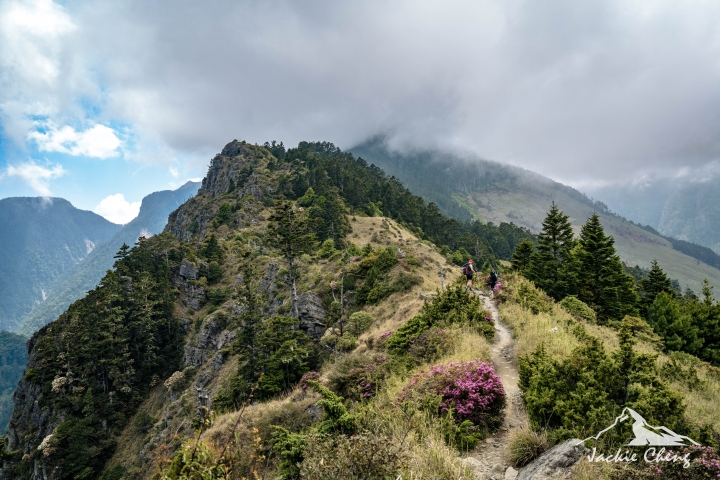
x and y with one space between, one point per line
431 457
530 330
634 245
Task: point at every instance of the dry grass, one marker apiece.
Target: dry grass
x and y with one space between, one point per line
530 330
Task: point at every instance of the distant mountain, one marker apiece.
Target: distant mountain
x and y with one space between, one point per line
687 210
41 239
85 276
467 188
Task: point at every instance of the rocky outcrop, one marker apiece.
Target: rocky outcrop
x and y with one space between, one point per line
184 280
311 314
555 463
30 423
207 343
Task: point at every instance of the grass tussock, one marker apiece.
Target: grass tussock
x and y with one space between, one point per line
526 445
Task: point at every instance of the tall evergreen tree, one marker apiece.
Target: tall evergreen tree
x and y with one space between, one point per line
521 256
674 326
290 231
650 286
602 283
551 265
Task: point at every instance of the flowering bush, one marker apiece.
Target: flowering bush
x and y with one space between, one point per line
309 376
359 377
468 390
497 286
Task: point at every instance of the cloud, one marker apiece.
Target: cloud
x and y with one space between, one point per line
36 176
580 91
98 141
116 209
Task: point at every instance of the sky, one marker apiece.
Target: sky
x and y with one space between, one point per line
104 102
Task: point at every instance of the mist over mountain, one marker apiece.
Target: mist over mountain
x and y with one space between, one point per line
41 240
85 275
468 187
684 209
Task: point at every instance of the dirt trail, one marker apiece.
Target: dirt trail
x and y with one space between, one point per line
489 459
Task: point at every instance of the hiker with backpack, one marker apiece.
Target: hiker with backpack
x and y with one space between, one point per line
469 271
493 279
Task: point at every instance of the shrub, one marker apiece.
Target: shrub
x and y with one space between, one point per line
578 308
327 249
361 456
346 343
214 272
218 296
470 390
532 299
143 422
359 322
526 445
580 395
358 376
453 305
430 345
704 463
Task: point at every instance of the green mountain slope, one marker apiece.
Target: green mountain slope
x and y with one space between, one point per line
85 275
500 193
686 210
41 239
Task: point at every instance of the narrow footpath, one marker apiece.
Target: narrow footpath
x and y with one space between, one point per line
489 460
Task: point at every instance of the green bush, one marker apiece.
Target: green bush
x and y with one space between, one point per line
532 299
430 345
583 394
452 306
327 249
359 322
218 296
578 308
143 422
358 376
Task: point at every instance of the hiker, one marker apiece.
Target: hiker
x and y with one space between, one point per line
469 271
493 279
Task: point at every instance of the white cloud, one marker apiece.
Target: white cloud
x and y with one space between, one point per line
116 209
36 176
99 141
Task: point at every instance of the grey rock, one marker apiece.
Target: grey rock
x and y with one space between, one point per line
511 473
202 380
217 361
472 463
311 314
194 296
314 412
555 463
189 271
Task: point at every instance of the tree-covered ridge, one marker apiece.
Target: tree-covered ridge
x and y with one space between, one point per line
367 189
13 356
98 360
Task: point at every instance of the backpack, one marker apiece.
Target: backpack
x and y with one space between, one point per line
466 269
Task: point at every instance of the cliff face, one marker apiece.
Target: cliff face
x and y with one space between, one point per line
80 402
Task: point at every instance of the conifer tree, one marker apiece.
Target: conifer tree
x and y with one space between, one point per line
550 265
212 250
602 283
652 285
675 327
290 231
521 256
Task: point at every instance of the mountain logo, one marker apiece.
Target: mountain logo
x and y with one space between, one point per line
646 434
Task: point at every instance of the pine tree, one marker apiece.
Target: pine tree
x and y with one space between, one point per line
521 256
655 282
212 250
290 231
602 283
550 265
675 327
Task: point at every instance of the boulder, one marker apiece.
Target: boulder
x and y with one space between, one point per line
555 463
311 314
189 271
